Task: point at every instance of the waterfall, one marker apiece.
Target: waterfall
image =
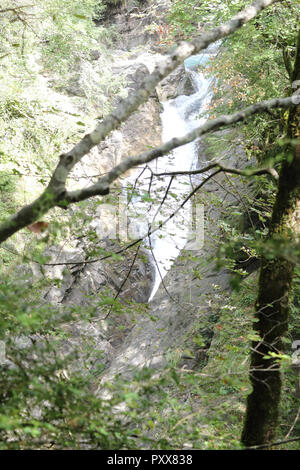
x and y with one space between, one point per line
179 116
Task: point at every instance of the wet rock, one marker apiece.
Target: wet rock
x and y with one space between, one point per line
185 86
168 88
176 84
185 298
135 79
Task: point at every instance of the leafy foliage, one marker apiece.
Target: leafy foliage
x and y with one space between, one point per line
48 385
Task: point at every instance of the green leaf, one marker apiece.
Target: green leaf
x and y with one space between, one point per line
81 17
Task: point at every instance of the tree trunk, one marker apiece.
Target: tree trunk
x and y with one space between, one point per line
272 306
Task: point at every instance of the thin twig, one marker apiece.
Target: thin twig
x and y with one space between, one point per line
5 10
294 424
161 224
272 444
124 280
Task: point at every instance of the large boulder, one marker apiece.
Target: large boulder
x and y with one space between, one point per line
176 84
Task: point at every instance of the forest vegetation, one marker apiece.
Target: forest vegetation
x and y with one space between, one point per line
245 389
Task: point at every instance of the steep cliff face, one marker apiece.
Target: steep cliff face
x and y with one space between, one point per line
132 57
183 300
145 334
124 331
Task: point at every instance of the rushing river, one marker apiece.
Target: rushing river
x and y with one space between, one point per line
179 116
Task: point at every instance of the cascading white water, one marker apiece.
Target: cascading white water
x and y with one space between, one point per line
179 116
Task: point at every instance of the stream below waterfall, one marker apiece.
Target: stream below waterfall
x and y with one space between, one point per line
161 194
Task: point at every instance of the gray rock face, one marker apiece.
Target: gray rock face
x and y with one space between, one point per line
176 84
185 298
142 129
185 86
133 23
80 284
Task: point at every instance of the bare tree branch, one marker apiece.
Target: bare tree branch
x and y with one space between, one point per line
272 444
140 96
102 186
59 197
55 195
124 280
294 424
14 9
235 171
149 233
